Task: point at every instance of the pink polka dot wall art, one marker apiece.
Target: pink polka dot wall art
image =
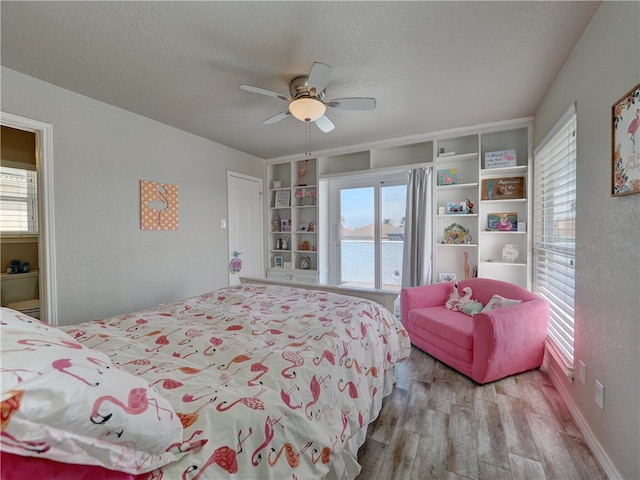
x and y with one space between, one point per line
158 206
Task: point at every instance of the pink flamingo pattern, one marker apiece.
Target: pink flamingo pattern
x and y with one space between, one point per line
264 380
137 402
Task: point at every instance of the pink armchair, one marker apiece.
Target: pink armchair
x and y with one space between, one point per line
487 346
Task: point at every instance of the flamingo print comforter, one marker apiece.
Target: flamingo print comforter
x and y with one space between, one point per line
269 382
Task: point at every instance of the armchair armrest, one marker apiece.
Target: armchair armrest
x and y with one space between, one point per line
423 296
509 340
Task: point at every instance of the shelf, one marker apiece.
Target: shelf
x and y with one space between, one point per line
458 216
458 186
503 264
506 200
489 172
457 245
462 157
305 251
492 232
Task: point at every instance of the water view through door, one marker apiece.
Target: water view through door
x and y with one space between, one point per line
372 235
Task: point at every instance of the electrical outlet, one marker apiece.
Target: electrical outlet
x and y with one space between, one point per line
582 372
600 395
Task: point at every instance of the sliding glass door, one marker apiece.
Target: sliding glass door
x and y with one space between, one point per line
368 216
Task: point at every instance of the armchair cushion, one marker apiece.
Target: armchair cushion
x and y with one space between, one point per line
451 328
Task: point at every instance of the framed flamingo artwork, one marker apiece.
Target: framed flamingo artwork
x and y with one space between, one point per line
625 144
158 206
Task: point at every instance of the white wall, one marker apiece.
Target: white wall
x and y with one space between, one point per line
604 66
106 264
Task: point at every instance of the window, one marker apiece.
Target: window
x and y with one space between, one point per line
369 231
554 230
18 201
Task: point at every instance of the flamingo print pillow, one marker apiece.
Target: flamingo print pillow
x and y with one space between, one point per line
69 403
498 301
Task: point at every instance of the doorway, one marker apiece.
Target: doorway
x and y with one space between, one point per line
244 200
45 236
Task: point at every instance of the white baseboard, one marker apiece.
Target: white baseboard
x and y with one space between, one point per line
589 437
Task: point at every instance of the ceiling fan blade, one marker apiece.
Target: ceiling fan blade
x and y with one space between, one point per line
264 91
276 118
319 77
353 103
325 124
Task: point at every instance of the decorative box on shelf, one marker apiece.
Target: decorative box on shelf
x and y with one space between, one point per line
500 159
456 208
509 188
510 253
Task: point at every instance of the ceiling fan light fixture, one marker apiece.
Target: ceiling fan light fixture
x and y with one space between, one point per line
307 109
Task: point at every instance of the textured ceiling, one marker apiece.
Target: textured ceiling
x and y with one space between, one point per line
430 65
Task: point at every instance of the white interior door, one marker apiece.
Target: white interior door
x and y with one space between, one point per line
244 200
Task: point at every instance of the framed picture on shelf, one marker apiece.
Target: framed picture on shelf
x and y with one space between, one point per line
502 222
446 277
625 144
500 159
277 262
509 188
285 225
448 176
456 208
282 199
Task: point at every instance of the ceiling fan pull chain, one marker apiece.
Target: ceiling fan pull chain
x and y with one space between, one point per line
307 135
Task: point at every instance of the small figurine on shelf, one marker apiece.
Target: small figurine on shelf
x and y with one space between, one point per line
303 170
312 194
300 194
276 222
466 265
470 206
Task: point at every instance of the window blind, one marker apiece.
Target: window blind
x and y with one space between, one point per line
18 201
554 230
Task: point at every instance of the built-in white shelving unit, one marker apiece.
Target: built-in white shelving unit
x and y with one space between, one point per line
293 221
463 151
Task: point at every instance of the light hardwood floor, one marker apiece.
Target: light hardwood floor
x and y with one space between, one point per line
438 423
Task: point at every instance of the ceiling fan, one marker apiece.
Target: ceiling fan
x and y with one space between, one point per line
306 99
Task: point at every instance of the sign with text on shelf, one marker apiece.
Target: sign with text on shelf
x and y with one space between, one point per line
509 188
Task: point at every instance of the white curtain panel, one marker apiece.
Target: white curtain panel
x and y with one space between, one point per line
416 265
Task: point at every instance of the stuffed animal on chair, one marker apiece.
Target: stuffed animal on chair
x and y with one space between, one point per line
464 304
455 303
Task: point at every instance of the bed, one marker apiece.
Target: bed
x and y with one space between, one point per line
247 382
